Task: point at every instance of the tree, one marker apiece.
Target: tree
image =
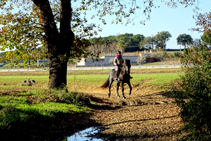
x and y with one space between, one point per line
35 24
148 42
51 23
162 37
124 40
197 43
136 39
184 39
29 30
206 37
112 44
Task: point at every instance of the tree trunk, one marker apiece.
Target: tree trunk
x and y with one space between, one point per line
59 44
57 69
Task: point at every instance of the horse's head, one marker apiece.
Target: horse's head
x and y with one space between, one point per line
127 63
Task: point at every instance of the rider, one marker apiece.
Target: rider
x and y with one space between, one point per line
118 62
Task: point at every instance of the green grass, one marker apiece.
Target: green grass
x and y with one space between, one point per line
159 79
18 107
156 79
150 64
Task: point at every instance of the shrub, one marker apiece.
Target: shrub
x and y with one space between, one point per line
177 54
193 94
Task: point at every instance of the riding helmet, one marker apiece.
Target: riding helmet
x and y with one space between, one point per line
118 52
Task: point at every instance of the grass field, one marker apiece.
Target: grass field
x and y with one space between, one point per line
84 81
23 105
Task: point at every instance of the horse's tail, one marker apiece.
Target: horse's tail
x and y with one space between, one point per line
106 84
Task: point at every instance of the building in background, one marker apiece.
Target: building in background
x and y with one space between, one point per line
105 61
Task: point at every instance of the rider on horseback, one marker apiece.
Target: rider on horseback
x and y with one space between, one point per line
118 62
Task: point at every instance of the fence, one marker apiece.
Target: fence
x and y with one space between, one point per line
95 68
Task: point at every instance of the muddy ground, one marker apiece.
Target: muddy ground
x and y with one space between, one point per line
147 114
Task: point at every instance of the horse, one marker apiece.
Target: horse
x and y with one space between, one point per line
124 77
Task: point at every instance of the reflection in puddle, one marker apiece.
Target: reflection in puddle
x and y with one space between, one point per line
92 133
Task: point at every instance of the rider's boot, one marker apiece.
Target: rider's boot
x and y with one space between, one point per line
117 77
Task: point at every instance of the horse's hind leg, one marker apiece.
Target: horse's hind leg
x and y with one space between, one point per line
109 92
117 90
122 84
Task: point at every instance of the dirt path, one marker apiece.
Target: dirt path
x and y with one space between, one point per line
147 114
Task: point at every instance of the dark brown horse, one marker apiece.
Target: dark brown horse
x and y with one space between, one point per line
124 78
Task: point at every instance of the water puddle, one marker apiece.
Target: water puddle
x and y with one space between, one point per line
89 134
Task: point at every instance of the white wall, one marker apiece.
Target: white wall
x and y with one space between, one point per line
107 61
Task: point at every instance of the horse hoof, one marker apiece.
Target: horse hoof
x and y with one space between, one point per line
117 96
108 94
124 97
129 93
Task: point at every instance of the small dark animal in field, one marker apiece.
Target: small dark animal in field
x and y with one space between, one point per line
124 78
29 82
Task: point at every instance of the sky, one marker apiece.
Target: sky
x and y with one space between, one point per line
175 20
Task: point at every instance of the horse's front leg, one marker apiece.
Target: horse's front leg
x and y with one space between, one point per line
122 84
117 90
129 87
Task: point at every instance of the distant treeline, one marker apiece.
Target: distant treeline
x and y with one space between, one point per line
128 42
134 49
111 44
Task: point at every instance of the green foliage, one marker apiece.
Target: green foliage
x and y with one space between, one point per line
23 32
193 93
184 39
136 39
148 42
159 40
2 57
206 37
121 41
162 37
177 54
23 106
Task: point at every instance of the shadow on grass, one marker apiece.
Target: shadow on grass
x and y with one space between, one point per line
167 94
105 106
30 124
41 127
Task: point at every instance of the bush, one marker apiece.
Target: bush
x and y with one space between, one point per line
194 93
177 54
74 98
